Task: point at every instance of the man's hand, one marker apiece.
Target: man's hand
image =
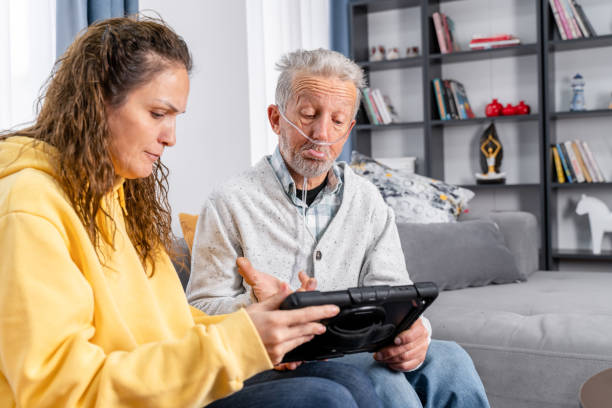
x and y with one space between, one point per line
265 285
409 350
283 330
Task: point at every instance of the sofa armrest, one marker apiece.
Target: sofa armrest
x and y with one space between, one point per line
521 233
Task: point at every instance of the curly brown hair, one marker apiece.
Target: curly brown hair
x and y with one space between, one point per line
110 59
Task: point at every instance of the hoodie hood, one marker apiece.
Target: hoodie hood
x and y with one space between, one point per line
19 152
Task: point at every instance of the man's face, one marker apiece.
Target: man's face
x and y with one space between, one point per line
323 108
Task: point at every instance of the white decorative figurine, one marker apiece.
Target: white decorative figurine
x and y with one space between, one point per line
600 219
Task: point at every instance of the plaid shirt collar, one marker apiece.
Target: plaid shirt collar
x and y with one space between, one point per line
334 179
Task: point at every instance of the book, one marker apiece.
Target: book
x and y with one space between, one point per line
563 19
437 85
450 99
571 19
558 168
451 32
381 106
375 108
458 100
464 98
583 168
574 161
367 105
496 37
494 44
447 35
571 177
555 12
437 21
600 174
584 19
586 161
583 29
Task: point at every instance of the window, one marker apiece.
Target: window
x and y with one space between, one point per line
27 45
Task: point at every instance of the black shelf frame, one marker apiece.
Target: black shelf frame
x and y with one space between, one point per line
482 120
580 255
477 55
400 63
580 43
431 62
594 113
579 185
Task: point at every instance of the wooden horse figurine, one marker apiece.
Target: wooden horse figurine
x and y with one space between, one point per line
600 219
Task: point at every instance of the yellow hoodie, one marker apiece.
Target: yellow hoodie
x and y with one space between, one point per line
78 332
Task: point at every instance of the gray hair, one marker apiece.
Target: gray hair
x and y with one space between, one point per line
319 62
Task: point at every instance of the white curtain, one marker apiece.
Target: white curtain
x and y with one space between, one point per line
27 49
274 28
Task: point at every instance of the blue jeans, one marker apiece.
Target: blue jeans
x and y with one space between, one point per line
446 379
311 385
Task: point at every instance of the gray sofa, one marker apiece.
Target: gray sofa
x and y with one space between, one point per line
533 342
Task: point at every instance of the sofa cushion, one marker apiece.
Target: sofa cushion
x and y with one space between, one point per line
414 198
188 226
457 255
535 341
521 235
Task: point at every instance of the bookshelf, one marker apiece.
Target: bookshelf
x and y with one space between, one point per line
447 149
568 233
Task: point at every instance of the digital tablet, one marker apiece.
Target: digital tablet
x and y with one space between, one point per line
370 318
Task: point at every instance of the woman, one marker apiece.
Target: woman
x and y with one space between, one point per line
91 309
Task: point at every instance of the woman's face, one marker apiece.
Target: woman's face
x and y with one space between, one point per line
145 123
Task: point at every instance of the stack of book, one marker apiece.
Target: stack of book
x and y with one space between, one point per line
444 27
451 99
377 106
495 41
571 20
574 163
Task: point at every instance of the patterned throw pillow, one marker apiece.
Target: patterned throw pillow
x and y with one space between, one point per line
414 198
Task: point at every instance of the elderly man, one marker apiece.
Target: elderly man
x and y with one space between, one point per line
304 219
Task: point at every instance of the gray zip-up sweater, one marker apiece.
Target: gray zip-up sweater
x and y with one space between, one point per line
251 216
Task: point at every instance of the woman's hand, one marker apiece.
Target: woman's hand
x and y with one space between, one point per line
283 330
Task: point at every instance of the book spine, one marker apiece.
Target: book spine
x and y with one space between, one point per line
587 163
583 29
458 100
447 36
585 19
565 163
564 23
570 19
466 101
439 99
368 106
600 174
557 18
583 167
454 112
574 161
437 20
382 106
558 169
451 29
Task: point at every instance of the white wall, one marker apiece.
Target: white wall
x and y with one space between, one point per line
213 135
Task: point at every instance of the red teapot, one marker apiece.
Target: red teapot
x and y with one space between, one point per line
508 110
494 108
522 109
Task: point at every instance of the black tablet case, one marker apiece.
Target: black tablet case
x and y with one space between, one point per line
370 317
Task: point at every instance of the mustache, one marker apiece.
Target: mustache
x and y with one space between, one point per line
318 148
